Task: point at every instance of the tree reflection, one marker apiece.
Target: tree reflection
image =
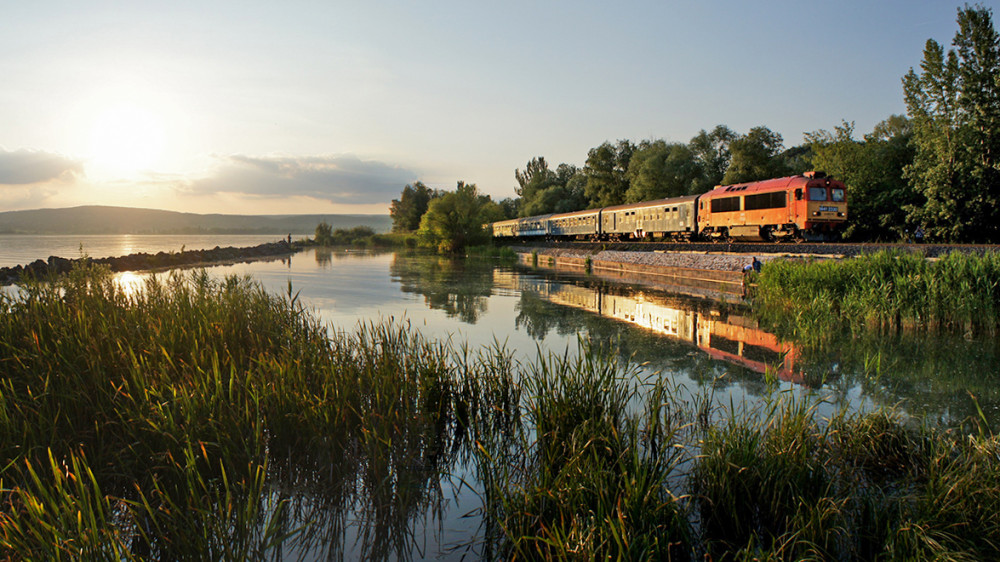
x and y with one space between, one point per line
459 287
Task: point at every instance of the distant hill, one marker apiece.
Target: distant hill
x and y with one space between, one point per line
125 220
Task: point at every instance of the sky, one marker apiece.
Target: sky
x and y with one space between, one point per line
249 107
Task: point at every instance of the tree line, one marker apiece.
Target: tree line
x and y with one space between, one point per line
936 168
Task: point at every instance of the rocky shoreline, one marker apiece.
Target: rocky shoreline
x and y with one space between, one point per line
55 265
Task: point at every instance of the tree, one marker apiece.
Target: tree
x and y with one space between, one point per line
607 173
545 191
407 211
954 106
456 219
658 169
711 151
324 234
872 169
754 157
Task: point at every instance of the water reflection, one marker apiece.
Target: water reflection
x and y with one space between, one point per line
458 287
936 378
723 332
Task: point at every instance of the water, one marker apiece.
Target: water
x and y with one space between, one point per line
697 343
22 249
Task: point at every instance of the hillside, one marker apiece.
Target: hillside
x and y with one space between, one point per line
124 220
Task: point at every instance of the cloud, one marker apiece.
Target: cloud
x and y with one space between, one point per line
24 167
342 179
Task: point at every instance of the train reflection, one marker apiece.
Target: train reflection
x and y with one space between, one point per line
722 335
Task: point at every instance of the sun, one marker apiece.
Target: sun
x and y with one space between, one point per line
125 140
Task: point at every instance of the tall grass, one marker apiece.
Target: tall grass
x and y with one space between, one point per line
205 419
885 290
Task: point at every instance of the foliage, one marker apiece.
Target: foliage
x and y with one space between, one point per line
456 219
324 233
545 191
872 170
889 289
407 211
658 170
754 157
711 151
208 419
359 235
954 105
200 419
607 173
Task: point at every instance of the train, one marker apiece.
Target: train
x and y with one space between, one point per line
811 206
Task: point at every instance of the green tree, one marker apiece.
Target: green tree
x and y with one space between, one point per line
754 156
711 151
954 106
323 234
407 211
606 172
658 169
543 190
872 169
456 219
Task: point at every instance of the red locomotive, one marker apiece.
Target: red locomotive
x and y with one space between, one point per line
809 207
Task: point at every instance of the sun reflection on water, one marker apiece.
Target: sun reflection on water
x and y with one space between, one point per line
130 283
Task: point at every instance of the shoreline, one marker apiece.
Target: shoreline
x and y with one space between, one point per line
143 261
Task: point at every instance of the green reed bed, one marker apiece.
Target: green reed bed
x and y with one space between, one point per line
209 420
203 419
773 482
888 289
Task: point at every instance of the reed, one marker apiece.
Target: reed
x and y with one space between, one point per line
886 290
200 418
584 477
172 413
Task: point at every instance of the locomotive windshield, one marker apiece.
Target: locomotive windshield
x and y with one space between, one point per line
838 194
817 194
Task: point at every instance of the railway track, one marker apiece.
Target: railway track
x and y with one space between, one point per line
804 248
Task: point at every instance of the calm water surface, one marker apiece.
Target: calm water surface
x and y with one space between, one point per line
18 249
699 344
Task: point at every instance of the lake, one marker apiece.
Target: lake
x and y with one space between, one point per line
22 249
698 344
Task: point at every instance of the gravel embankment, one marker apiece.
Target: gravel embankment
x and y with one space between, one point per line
686 260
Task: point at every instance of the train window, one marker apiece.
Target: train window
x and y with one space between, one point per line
817 194
773 200
798 194
838 194
674 210
725 204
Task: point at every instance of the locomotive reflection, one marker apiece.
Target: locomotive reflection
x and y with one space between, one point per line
723 335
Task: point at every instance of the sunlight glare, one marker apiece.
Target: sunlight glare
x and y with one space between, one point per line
126 139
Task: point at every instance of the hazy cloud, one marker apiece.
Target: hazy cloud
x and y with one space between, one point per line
341 179
23 167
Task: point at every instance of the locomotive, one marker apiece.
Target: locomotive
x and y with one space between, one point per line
811 207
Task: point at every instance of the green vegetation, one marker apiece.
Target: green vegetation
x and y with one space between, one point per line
873 169
814 300
209 419
201 419
458 219
361 236
954 104
407 211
